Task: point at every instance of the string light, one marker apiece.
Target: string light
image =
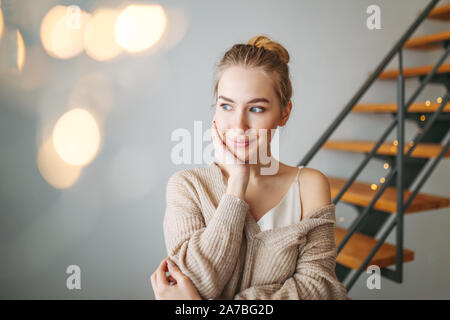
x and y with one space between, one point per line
386 165
373 186
422 117
439 100
382 179
428 103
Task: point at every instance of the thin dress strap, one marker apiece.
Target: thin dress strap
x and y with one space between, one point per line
286 211
299 196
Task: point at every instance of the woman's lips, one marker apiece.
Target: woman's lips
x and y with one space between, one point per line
242 143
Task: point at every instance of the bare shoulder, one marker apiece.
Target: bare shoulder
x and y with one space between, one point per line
314 190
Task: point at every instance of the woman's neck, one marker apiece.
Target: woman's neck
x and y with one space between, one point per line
259 171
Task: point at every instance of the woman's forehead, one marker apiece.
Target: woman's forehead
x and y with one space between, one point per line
241 86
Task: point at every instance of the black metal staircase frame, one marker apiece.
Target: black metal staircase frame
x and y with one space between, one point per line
398 170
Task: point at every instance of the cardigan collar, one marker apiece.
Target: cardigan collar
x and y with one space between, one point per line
293 232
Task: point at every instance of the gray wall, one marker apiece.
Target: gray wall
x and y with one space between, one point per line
110 221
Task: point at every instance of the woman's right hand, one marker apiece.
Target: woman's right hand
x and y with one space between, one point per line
182 288
238 170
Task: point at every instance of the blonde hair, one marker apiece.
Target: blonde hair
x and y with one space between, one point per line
264 54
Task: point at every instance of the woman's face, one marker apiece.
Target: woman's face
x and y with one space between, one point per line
248 109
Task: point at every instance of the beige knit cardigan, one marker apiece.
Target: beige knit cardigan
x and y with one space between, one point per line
218 244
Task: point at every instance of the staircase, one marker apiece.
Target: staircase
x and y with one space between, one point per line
382 207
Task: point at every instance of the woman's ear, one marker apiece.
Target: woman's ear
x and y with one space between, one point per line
285 112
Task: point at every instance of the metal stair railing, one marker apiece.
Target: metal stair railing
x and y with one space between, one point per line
400 159
398 221
365 86
402 108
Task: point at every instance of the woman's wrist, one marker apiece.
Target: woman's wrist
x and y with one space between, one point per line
235 187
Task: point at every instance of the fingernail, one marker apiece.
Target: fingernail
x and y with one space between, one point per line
170 264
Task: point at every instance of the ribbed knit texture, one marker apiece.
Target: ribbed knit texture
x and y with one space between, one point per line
217 243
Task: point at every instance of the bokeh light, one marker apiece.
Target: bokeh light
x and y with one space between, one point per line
99 41
140 26
12 53
62 31
53 169
2 22
76 137
177 25
21 51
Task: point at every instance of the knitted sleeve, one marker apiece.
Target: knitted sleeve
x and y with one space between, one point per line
206 254
314 277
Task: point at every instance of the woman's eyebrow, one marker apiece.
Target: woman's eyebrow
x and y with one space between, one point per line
251 101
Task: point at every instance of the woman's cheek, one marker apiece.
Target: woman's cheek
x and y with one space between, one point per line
258 148
264 139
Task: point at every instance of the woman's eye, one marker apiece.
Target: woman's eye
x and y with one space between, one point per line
261 109
228 107
223 105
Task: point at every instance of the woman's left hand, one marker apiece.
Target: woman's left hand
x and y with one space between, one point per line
182 289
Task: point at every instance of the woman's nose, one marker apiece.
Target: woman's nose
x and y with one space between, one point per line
240 123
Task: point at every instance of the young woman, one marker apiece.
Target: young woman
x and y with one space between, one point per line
232 231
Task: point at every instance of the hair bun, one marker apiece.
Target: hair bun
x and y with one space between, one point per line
267 43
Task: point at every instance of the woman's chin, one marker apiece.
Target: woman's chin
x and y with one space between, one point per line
250 155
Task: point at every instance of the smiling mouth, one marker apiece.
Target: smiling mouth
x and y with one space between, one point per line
242 143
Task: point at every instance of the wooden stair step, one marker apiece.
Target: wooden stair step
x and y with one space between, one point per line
423 150
440 13
358 247
417 107
361 193
428 42
391 74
